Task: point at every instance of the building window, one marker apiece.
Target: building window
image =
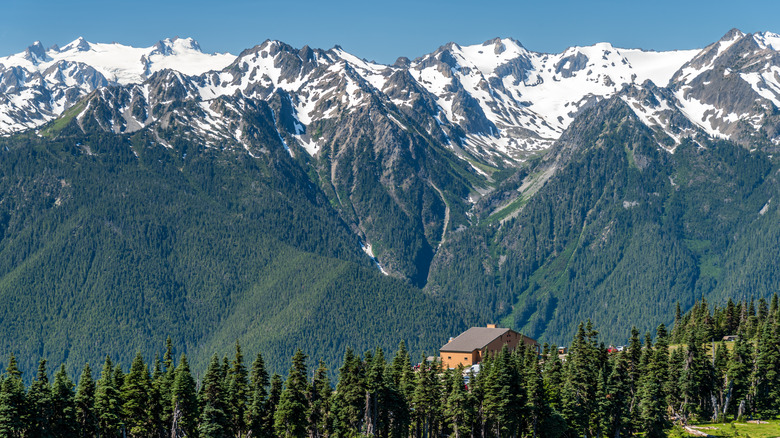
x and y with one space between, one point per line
449 357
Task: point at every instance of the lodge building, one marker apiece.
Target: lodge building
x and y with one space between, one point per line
475 343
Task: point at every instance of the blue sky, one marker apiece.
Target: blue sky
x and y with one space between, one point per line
384 30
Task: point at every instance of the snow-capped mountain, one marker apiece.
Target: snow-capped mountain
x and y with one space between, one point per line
496 101
39 84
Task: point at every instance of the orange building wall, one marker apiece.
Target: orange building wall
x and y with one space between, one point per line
452 359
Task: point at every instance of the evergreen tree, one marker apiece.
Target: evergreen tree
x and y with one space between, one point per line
84 400
256 413
504 395
400 378
238 393
579 391
214 421
184 417
136 400
766 387
615 406
426 400
13 418
696 380
376 415
459 407
274 395
349 398
39 400
536 408
290 419
653 401
553 379
674 398
63 421
164 383
738 378
319 404
108 404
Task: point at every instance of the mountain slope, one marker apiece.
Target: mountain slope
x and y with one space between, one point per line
620 228
109 242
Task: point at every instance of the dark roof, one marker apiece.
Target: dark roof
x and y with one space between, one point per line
474 338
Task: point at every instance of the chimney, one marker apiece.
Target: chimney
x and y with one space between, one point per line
491 326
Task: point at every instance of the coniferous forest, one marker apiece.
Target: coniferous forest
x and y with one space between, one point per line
675 377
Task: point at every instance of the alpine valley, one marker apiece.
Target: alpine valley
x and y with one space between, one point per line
292 197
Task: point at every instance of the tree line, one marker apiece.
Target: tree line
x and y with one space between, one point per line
592 391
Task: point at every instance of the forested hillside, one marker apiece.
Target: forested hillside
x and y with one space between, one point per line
649 387
109 244
619 229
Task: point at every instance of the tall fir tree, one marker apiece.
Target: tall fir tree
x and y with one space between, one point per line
238 393
84 400
349 397
214 421
459 405
13 403
63 421
136 400
319 419
766 383
39 402
738 378
653 401
184 398
400 378
696 380
290 419
108 403
256 412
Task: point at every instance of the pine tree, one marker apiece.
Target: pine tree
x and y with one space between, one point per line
238 393
400 378
214 421
84 404
108 404
349 398
653 401
39 400
553 379
738 378
766 387
164 383
13 405
320 424
674 398
136 399
536 409
63 421
459 407
426 399
615 406
579 390
376 415
274 395
696 380
504 395
184 398
256 412
290 416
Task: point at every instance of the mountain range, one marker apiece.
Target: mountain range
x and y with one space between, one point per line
483 183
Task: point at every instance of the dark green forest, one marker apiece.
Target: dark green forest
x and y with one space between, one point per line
109 243
621 232
647 388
